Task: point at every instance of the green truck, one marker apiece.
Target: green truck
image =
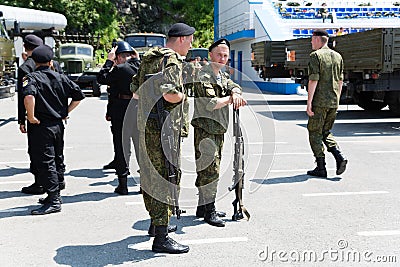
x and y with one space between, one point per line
8 63
371 59
144 41
78 61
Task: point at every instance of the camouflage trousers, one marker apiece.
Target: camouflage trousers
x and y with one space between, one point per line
157 190
208 152
319 127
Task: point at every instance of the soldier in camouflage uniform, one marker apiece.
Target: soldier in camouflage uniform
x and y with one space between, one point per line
324 87
154 176
214 92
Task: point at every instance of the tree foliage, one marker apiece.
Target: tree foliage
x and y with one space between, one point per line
115 18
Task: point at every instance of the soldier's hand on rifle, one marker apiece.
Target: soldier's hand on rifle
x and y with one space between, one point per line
238 100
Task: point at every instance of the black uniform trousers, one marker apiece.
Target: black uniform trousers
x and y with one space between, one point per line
124 130
46 151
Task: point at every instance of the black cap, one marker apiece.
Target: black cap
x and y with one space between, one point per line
320 33
219 42
33 40
42 54
180 29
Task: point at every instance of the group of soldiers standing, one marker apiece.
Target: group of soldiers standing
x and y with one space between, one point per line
148 104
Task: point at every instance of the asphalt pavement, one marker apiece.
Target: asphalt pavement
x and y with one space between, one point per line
296 219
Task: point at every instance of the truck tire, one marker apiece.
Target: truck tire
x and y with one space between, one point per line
96 89
393 99
364 101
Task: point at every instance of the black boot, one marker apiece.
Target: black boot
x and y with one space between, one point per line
320 170
44 200
163 243
33 189
152 229
53 205
341 160
211 217
122 187
201 210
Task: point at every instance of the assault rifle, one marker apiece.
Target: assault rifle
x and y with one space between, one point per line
238 169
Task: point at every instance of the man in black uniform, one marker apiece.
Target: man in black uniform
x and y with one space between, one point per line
46 94
32 41
121 65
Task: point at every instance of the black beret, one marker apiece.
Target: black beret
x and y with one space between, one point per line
42 54
33 40
180 29
219 42
320 33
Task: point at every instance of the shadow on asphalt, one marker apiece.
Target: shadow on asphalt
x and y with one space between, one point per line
11 171
88 173
184 221
292 179
115 253
6 121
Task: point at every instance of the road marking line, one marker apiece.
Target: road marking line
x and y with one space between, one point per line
379 233
14 162
345 193
16 182
148 244
295 170
382 151
281 154
260 143
13 210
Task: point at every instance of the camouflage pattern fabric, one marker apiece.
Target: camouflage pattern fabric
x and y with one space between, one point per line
209 127
319 127
208 153
206 91
157 190
326 67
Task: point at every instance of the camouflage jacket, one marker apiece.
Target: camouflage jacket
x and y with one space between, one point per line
206 92
151 88
326 67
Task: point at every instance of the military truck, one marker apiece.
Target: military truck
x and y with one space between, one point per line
371 60
78 61
7 63
144 41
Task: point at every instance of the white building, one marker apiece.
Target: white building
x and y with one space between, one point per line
244 22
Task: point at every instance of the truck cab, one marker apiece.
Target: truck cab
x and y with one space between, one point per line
142 42
78 61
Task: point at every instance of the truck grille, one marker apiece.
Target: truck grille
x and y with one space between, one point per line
74 67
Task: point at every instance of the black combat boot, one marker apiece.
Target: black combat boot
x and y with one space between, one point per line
201 207
211 217
152 229
122 187
33 189
53 205
163 243
320 170
44 200
341 160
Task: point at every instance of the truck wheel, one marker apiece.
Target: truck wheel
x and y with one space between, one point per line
96 89
364 100
393 99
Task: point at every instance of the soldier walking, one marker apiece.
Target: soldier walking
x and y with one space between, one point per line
117 72
214 91
169 90
46 94
324 88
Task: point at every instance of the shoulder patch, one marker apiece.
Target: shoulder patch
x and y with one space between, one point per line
25 82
